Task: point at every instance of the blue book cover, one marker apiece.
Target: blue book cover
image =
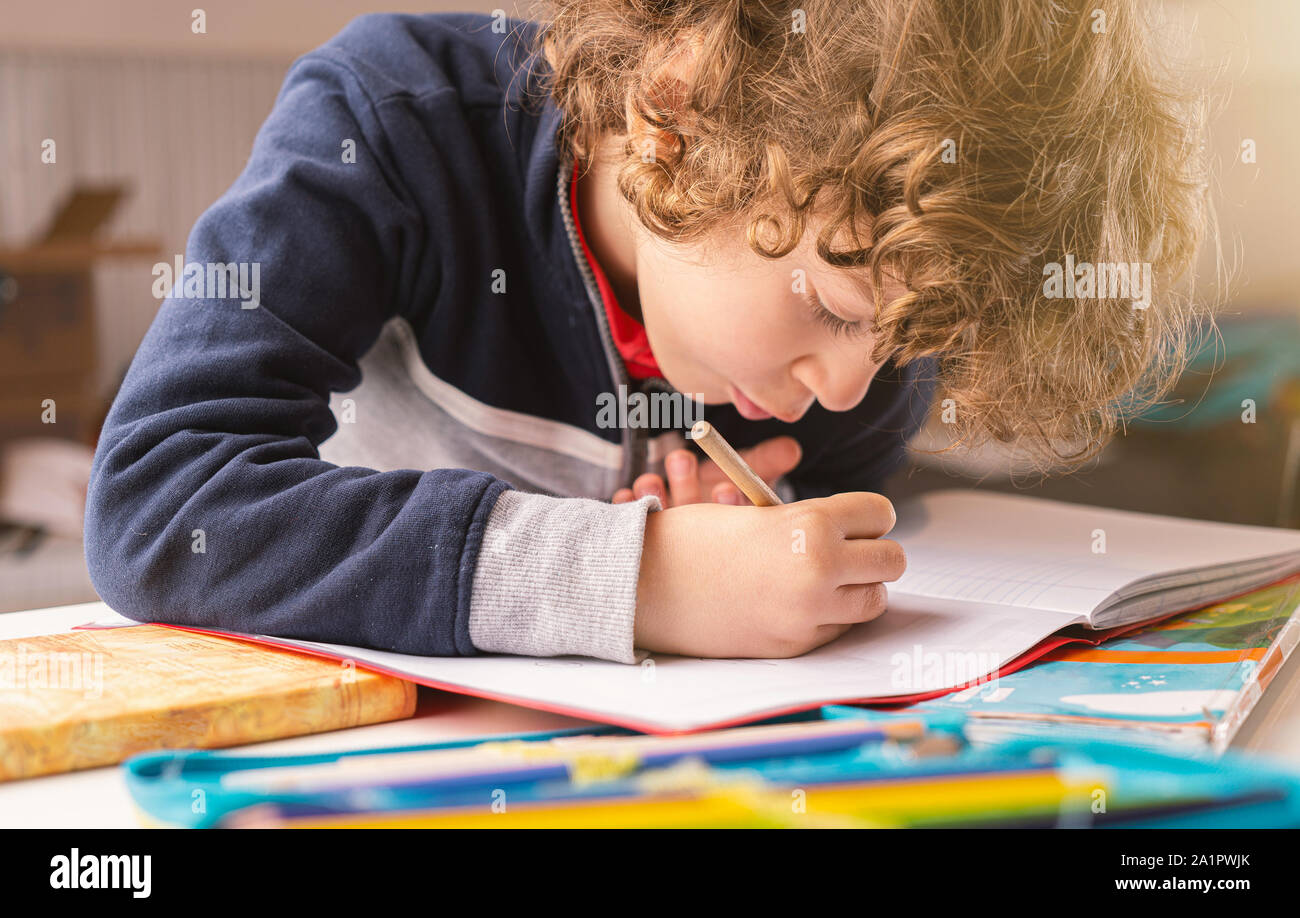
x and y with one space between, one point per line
1189 680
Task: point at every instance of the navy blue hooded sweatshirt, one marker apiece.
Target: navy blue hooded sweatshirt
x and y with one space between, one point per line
393 443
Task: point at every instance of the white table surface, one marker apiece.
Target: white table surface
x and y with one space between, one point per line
97 798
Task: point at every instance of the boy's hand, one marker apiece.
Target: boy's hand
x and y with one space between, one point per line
690 482
748 581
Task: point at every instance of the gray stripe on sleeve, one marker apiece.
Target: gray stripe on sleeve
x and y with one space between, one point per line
558 576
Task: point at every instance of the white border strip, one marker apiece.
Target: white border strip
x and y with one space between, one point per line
501 423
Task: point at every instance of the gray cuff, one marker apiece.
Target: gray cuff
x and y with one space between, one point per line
558 576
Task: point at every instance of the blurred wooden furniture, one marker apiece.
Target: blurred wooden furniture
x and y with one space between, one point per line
47 318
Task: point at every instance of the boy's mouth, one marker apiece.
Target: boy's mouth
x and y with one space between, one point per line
748 409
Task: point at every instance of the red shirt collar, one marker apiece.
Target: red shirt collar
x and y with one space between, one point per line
629 335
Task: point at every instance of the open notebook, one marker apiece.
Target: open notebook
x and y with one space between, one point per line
991 578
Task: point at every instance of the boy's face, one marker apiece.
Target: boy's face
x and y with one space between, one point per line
728 325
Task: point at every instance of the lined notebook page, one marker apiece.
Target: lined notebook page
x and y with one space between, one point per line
1040 554
1060 584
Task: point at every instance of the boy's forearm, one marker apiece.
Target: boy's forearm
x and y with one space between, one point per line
186 529
558 576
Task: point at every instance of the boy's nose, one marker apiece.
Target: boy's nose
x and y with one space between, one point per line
839 382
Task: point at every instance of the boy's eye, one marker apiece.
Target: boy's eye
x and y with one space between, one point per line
836 324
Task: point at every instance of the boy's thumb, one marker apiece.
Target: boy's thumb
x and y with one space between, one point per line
773 458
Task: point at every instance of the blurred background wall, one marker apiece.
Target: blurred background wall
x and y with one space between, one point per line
135 98
132 94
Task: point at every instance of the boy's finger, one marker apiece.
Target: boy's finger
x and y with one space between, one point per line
623 496
859 514
770 460
871 561
773 458
683 477
829 632
858 602
650 484
727 493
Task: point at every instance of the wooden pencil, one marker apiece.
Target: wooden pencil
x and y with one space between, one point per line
734 467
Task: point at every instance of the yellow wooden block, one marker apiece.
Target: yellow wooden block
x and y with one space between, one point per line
90 698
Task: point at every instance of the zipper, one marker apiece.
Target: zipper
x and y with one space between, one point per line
633 440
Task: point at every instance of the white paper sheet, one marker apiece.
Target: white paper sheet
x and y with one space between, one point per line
989 577
906 651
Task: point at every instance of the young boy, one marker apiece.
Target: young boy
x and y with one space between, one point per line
473 236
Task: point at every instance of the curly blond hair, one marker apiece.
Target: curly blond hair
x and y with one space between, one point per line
959 146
